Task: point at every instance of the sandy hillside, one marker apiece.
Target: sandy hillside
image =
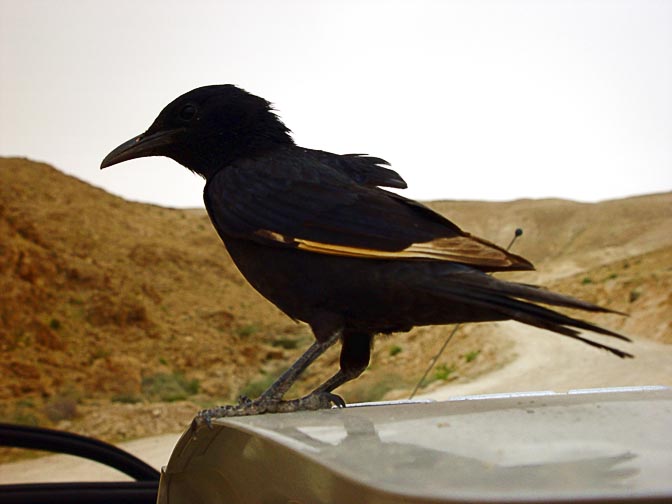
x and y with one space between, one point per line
120 319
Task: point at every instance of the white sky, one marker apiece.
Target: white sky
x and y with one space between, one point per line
478 99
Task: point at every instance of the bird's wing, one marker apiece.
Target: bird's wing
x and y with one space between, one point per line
366 170
291 202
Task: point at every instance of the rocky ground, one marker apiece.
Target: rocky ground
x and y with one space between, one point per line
119 320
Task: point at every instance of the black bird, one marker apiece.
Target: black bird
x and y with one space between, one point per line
316 235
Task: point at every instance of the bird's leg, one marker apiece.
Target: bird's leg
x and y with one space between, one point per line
271 400
355 357
284 382
324 395
337 380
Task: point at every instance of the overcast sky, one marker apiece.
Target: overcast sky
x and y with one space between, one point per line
476 99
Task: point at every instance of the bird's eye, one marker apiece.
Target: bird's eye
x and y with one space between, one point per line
188 112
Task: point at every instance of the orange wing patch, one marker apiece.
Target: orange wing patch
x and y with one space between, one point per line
465 249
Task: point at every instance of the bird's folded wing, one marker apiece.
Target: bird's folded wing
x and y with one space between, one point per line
366 170
311 207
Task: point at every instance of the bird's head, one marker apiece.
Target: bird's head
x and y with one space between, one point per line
207 128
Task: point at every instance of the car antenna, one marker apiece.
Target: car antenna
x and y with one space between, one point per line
517 233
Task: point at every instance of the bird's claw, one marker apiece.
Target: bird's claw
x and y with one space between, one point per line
244 400
336 400
319 400
247 407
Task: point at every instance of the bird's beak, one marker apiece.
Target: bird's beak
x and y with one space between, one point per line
147 144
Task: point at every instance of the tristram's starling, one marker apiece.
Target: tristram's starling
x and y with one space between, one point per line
316 235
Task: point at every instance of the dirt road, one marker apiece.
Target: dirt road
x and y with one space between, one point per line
549 362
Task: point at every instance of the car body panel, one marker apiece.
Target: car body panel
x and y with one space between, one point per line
586 445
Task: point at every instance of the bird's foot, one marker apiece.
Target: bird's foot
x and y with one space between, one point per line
247 407
314 401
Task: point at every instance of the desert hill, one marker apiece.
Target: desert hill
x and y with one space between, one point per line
119 319
98 294
565 237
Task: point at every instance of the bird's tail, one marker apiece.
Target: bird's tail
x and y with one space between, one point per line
515 301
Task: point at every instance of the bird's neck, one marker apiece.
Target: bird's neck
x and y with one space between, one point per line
244 144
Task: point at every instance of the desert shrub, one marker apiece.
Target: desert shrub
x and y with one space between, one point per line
443 371
247 330
256 387
22 413
395 350
470 356
374 388
61 408
169 387
286 343
126 399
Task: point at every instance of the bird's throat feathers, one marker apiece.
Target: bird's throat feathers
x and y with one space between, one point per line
247 140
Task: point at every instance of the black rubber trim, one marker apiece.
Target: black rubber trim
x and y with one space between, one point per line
120 492
39 438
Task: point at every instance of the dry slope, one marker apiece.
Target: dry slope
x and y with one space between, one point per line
105 299
113 313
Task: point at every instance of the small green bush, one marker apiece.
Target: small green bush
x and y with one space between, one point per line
470 356
395 350
23 413
126 399
634 295
257 387
443 371
247 330
169 387
374 388
286 343
100 353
